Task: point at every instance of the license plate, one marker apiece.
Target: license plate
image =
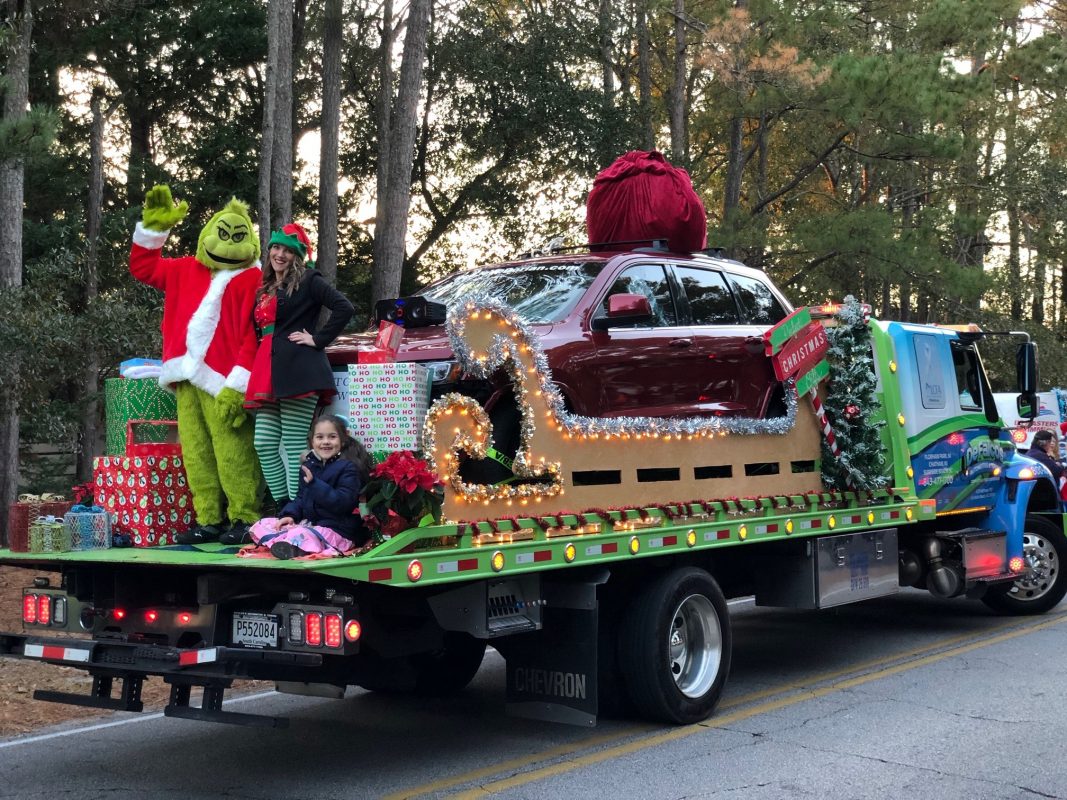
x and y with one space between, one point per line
255 630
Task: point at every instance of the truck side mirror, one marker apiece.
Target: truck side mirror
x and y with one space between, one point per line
623 309
1026 368
1026 404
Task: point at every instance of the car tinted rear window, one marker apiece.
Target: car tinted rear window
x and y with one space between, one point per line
539 293
758 304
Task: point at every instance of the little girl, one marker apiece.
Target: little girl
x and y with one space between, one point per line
320 519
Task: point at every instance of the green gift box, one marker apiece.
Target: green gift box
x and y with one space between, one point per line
135 398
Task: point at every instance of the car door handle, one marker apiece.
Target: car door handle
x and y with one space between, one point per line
680 342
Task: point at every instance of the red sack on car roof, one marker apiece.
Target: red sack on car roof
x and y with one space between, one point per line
642 197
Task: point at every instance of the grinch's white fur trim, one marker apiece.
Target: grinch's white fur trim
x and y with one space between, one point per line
238 379
199 374
149 239
190 366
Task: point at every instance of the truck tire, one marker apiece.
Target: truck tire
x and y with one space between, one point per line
675 645
447 671
437 673
1045 551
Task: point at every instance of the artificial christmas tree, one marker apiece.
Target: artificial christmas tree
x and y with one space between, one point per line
850 405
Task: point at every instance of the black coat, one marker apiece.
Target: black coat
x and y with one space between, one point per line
1054 466
331 497
297 369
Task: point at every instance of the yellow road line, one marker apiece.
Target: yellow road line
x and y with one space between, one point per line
728 719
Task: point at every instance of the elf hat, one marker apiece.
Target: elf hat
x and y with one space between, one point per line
295 238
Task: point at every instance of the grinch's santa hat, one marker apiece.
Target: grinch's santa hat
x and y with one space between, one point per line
296 239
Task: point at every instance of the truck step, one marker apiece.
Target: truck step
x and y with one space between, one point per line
211 709
100 695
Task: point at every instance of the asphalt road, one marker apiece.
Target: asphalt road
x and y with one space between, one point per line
904 697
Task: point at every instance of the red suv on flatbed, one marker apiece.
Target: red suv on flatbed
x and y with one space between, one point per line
635 333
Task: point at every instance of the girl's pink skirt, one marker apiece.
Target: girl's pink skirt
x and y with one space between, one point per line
309 538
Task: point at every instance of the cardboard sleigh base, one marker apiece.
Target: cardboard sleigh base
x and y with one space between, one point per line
569 464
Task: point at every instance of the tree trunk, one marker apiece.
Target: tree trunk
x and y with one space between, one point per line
281 173
384 128
644 78
270 94
328 157
391 226
607 77
90 427
677 115
16 77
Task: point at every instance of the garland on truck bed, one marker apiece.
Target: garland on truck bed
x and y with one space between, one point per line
851 405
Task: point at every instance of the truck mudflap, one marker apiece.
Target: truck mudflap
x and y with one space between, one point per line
210 668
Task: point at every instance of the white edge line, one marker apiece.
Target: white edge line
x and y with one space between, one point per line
99 726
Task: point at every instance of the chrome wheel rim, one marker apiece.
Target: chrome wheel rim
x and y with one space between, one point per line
694 646
1042 568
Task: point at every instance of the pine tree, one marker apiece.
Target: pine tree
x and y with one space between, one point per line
851 405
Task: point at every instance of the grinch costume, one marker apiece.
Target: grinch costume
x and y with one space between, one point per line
209 343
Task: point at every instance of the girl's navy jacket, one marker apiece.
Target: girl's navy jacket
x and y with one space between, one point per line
331 498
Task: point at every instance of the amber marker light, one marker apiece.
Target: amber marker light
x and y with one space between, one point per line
414 570
635 545
569 552
831 522
691 537
742 533
909 472
870 517
353 630
1026 474
892 366
497 561
909 513
900 419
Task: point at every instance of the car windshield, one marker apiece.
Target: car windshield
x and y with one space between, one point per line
539 293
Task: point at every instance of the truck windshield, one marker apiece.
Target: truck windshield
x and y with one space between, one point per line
539 293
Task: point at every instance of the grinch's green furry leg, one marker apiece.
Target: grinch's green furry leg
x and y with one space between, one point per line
237 462
199 455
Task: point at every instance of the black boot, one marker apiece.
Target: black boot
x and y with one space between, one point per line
284 551
201 534
237 534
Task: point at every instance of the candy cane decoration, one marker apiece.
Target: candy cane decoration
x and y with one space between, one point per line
824 423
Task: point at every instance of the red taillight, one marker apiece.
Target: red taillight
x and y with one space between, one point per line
29 608
151 615
1016 564
333 630
353 630
313 629
44 610
119 613
185 618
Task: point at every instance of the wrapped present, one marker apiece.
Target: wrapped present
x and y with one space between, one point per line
88 528
146 496
128 399
387 404
28 508
49 535
152 437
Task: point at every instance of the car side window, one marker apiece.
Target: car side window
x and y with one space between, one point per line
710 301
651 281
758 304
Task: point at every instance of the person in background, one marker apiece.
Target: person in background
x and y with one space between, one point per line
1045 449
290 376
321 518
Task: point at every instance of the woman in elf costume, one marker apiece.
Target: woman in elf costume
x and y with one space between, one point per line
290 374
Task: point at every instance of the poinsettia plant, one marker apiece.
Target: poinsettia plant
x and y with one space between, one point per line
402 491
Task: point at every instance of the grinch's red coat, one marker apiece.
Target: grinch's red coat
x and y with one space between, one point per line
208 336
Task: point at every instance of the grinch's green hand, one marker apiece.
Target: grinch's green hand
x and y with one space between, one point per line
231 407
160 213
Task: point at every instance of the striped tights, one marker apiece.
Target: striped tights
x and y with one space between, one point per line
281 436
